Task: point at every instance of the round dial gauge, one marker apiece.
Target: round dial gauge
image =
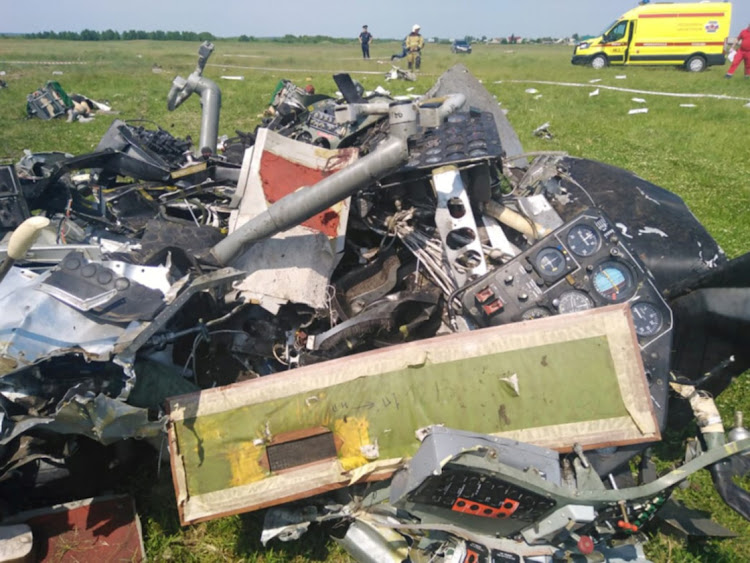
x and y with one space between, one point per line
646 318
583 240
613 281
535 313
550 261
573 301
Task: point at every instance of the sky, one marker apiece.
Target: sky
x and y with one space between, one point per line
386 18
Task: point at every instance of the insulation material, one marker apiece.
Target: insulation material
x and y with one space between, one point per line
580 380
295 265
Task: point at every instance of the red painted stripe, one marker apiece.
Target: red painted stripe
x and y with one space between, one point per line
703 15
688 44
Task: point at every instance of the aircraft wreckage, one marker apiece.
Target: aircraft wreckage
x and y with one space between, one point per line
376 310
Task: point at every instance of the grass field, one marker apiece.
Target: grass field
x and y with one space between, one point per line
698 152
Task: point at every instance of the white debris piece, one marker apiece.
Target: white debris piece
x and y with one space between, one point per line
638 110
383 92
638 100
648 197
688 106
652 231
370 452
513 382
747 105
621 76
594 93
233 77
623 229
595 80
537 96
57 72
531 90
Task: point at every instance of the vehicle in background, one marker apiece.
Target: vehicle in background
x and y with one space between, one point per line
689 34
461 46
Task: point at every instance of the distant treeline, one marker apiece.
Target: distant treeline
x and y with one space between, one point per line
111 35
159 35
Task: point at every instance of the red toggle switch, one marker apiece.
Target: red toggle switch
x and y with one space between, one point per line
493 308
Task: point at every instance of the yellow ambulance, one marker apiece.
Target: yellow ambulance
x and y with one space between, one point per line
687 34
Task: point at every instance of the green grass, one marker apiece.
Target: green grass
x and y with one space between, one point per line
699 153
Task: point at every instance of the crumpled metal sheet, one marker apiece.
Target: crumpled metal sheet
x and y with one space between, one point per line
96 416
35 326
295 265
105 419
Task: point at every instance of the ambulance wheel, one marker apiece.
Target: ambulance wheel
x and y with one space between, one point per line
599 62
696 63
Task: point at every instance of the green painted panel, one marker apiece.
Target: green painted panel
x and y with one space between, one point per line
560 383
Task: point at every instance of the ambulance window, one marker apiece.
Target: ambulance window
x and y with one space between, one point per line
617 32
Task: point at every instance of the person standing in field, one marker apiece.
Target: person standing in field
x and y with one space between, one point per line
365 38
414 45
741 54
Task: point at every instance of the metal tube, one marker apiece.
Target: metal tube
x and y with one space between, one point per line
211 103
308 201
370 544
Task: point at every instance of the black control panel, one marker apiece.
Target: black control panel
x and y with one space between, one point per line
480 500
323 121
581 265
464 137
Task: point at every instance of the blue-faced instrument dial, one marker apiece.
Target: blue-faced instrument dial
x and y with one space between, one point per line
613 281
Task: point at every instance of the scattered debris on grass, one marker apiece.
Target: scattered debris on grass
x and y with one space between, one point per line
363 269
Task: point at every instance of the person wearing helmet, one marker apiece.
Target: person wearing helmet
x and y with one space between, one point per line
414 44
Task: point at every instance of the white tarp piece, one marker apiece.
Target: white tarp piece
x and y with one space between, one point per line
295 265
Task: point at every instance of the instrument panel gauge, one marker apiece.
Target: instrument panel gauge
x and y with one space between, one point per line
613 281
574 301
583 240
647 319
550 262
535 313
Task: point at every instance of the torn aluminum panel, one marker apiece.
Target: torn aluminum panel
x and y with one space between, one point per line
289 524
92 287
138 335
35 326
154 277
45 254
104 419
295 265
